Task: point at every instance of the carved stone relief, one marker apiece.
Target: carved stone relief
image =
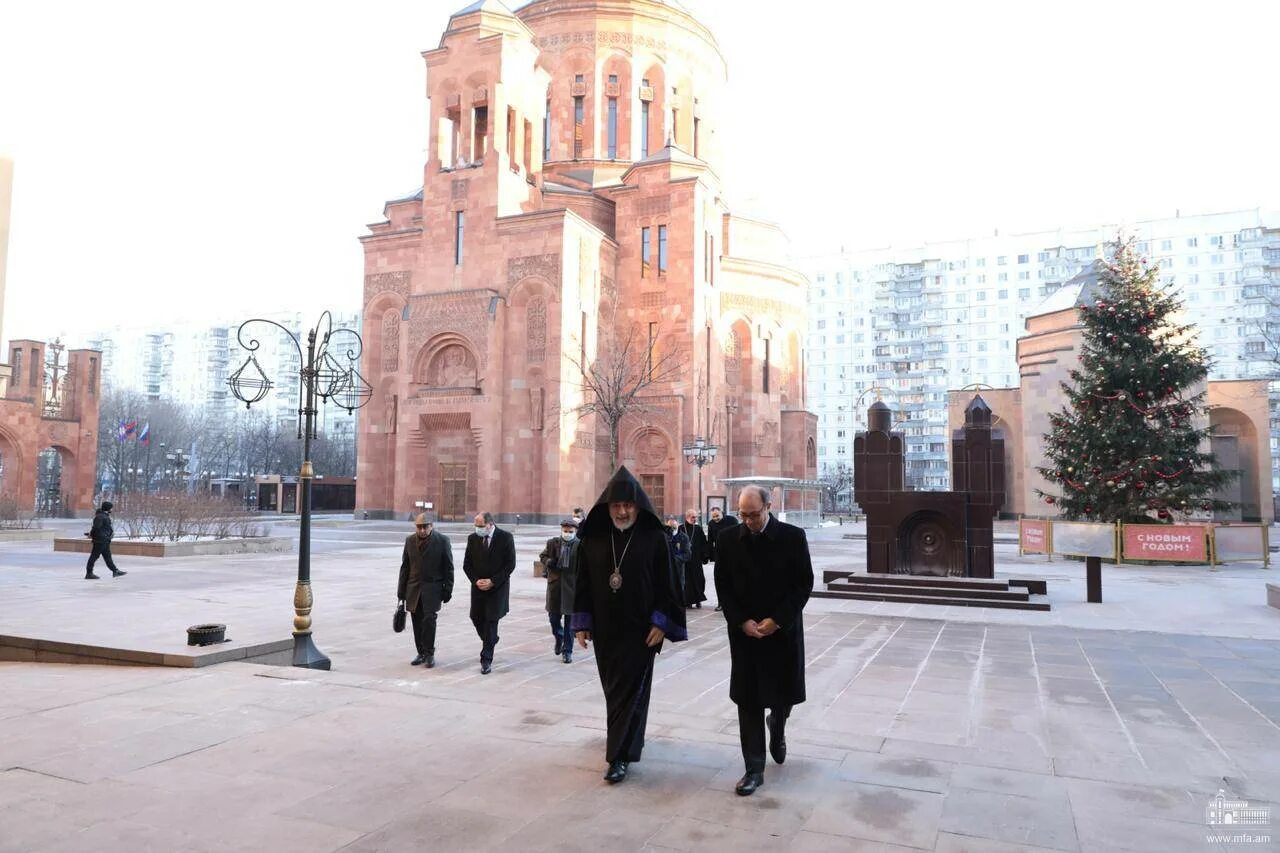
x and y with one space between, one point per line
767 440
652 450
536 331
452 367
396 282
391 341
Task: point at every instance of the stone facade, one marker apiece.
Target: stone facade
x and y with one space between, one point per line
28 426
528 252
1047 353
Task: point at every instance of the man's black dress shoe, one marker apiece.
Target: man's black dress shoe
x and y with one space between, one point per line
777 739
567 657
116 574
486 668
748 783
559 646
616 773
420 659
431 661
91 577
719 608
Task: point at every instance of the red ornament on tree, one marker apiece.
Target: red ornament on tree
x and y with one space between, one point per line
1048 499
1164 513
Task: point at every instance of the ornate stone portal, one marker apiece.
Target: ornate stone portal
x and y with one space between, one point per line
946 534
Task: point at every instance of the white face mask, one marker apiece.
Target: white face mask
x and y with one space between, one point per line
480 530
566 536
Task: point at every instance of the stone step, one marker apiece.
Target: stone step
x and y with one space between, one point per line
1004 594
913 598
912 580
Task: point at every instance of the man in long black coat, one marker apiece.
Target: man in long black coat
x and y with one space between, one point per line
101 534
488 563
763 580
695 579
627 601
718 523
426 582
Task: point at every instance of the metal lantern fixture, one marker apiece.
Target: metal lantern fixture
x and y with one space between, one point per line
322 375
700 453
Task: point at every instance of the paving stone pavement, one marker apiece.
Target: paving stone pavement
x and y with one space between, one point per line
919 733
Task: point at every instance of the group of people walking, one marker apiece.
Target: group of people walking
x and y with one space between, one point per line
620 579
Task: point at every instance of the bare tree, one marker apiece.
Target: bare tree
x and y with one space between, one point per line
835 480
627 363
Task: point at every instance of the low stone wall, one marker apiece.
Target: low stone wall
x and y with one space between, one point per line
140 548
29 534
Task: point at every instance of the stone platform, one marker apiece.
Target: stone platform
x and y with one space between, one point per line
982 730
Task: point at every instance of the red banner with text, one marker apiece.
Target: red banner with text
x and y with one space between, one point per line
1183 543
1033 536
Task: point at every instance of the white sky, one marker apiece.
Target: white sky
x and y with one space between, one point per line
180 159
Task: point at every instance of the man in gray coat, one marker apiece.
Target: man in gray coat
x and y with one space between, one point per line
426 582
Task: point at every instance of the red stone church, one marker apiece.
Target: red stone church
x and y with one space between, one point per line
570 197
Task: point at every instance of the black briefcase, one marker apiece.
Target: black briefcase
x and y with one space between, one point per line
397 621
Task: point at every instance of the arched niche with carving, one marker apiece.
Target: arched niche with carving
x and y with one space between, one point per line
650 447
447 361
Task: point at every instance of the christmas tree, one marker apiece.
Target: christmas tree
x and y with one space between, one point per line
1126 447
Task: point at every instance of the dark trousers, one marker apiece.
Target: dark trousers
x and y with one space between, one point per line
102 549
561 630
488 631
751 733
424 629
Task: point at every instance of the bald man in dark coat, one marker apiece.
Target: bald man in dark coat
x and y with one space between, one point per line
763 580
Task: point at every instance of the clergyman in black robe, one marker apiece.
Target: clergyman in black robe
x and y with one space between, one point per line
763 580
627 602
695 579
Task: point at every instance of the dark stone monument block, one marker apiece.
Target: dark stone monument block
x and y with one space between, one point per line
946 534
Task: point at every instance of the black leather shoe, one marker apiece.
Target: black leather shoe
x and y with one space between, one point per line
418 661
777 739
486 668
719 608
616 773
567 658
91 577
431 661
698 605
116 574
559 646
748 783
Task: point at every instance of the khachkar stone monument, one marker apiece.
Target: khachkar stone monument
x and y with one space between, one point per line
570 197
945 534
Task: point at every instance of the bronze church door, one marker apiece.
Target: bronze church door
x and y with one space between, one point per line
453 492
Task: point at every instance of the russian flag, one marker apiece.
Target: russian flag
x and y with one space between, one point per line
130 428
144 437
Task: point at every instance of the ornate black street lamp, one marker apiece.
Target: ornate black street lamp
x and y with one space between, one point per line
700 453
324 377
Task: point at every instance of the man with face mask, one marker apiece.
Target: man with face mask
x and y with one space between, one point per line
763 580
426 582
627 602
488 563
559 561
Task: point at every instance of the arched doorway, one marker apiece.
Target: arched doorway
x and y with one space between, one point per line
51 499
1235 446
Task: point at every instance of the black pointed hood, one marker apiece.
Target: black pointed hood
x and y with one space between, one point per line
623 486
